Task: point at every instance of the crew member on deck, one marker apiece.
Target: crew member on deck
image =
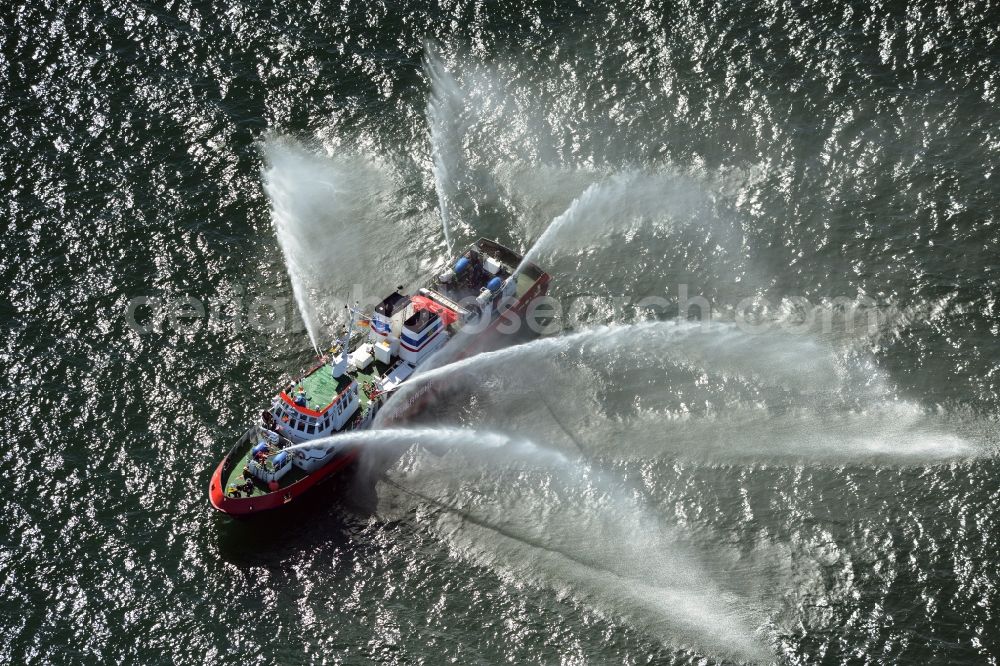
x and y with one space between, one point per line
300 398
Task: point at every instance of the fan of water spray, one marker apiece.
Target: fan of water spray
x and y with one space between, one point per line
619 203
773 397
281 181
444 111
329 212
767 396
585 535
325 211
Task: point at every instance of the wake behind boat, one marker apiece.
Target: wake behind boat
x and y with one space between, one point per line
347 388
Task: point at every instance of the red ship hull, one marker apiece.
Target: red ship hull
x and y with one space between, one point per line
246 506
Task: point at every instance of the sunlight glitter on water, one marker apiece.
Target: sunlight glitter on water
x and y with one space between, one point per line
849 151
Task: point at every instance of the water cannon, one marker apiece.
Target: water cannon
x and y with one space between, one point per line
488 292
452 273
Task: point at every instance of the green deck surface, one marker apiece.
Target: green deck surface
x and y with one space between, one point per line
320 387
368 376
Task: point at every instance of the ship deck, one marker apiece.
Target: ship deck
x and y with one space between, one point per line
369 376
524 283
259 489
321 387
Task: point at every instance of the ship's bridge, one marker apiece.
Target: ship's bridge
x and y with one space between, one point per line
317 404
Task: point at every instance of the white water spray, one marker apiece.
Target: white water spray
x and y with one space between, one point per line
286 217
577 533
328 213
774 396
618 203
444 110
799 360
402 438
887 432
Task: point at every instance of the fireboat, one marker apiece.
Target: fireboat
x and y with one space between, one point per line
362 372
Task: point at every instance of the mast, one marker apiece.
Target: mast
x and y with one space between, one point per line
339 366
342 342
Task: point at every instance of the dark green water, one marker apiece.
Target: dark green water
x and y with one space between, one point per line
825 496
